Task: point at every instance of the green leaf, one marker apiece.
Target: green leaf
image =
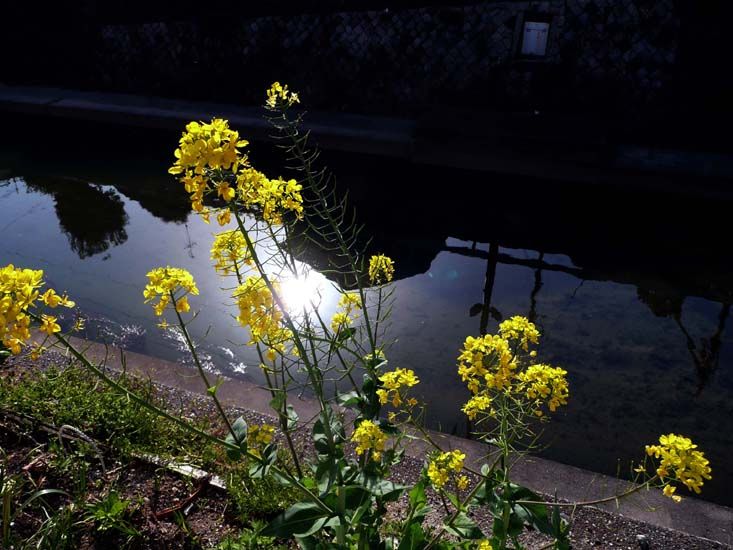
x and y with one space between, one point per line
296 520
349 399
384 489
240 431
484 495
292 417
344 334
277 402
464 527
261 468
414 538
419 502
353 496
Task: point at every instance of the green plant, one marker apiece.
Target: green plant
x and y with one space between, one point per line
56 532
250 539
343 483
258 498
14 499
70 397
111 514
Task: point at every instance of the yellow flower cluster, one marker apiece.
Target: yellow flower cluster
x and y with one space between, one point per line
477 404
443 465
519 329
375 358
348 302
20 291
545 383
258 310
270 197
368 436
381 269
213 145
170 283
278 96
486 361
260 435
392 384
485 545
230 252
681 461
493 364
340 321
209 151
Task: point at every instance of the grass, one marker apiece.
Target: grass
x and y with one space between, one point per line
70 397
91 505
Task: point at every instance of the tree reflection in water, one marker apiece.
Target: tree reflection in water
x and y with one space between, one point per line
92 217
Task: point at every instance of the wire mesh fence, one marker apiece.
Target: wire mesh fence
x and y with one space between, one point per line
599 55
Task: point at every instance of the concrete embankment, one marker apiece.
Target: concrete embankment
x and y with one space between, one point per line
558 147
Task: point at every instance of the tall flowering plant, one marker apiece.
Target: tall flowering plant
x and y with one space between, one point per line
363 420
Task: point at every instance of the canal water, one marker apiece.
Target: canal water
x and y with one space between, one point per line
631 290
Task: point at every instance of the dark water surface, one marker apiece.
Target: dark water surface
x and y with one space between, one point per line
632 291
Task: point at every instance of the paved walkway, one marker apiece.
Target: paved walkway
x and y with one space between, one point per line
552 147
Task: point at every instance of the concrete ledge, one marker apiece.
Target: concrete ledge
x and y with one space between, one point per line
692 516
552 147
341 132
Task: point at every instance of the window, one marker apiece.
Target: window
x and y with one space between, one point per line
534 38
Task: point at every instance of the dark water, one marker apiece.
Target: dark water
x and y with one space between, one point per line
632 291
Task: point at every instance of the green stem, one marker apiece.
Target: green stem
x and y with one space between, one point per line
201 372
313 373
592 502
345 250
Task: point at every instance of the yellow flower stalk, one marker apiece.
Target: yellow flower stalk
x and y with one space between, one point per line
164 282
369 437
381 269
440 467
680 461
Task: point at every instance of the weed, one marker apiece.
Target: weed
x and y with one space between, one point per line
256 498
250 539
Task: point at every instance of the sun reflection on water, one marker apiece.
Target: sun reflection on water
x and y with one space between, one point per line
309 288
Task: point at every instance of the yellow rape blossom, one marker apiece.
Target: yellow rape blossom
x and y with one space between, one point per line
369 437
51 299
78 324
340 321
258 436
545 383
521 330
442 465
224 217
477 404
168 283
486 361
258 311
271 198
278 96
349 302
393 382
381 269
207 145
36 352
230 252
19 293
680 461
49 324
